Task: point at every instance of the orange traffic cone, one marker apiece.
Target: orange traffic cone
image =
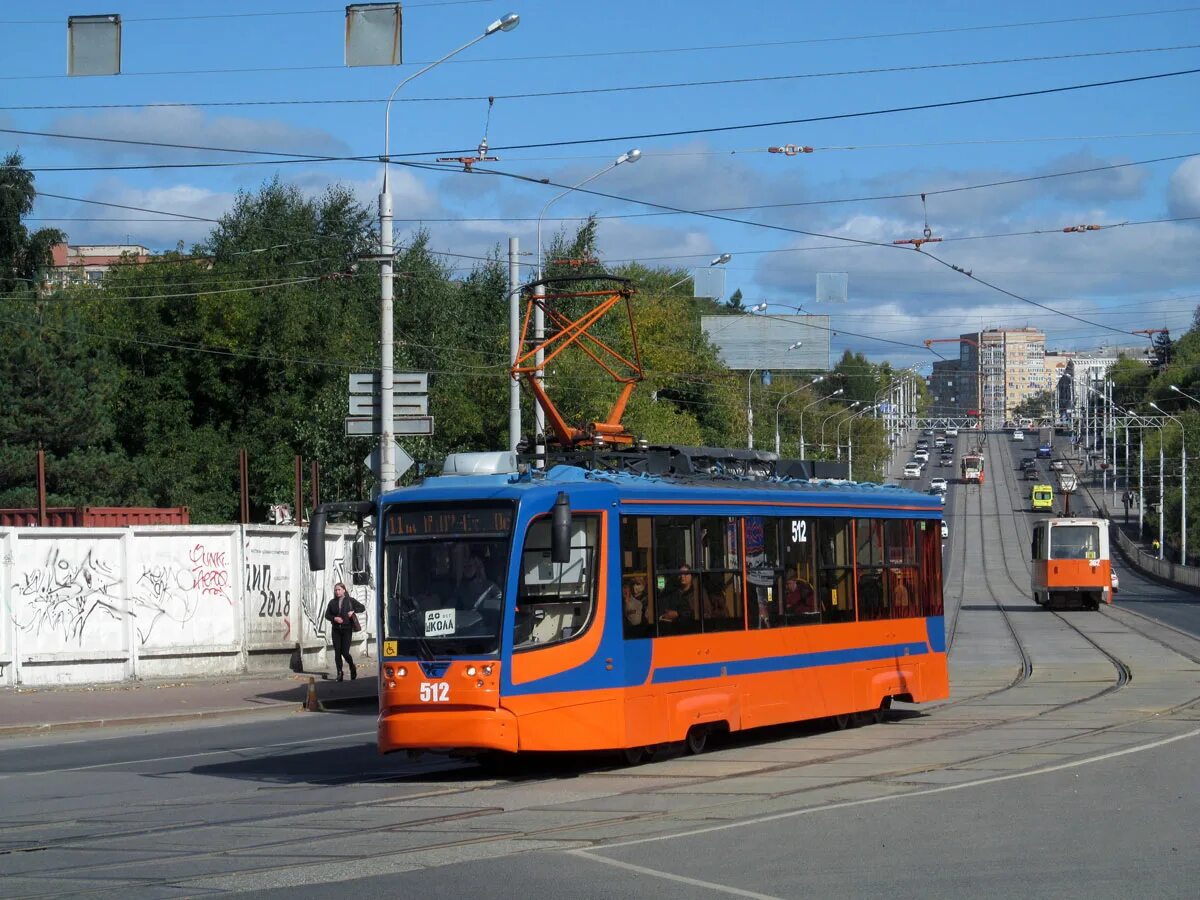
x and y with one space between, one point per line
311 701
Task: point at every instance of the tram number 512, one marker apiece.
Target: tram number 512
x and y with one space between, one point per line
799 531
435 692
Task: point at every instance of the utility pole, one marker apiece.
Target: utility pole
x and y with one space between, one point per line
514 340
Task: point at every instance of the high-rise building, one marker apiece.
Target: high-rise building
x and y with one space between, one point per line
1010 364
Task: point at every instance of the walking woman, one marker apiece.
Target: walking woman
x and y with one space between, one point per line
342 614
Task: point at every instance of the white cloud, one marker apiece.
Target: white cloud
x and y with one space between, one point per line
157 234
184 125
1183 192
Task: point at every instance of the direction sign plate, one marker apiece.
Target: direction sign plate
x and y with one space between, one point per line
402 404
402 382
369 426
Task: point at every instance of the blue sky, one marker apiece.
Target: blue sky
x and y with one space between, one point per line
1135 276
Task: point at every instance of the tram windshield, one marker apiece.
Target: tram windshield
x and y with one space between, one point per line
1075 542
444 572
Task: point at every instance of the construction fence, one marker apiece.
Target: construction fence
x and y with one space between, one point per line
104 605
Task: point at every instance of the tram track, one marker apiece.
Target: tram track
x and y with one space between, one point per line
1023 535
562 832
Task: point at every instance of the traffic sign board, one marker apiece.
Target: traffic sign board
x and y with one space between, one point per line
369 426
401 461
402 404
402 382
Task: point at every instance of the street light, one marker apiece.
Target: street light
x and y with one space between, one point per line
750 405
1183 478
719 261
837 431
836 393
838 413
539 316
850 441
1185 393
780 403
387 470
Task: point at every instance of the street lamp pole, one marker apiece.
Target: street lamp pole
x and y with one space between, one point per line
539 316
1183 478
387 469
850 441
806 409
750 404
780 403
837 431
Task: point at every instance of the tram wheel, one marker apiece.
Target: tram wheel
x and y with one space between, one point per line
634 755
697 739
880 712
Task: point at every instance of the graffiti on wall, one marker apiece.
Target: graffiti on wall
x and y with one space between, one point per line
172 589
62 595
267 599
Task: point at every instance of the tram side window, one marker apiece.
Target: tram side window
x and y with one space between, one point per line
873 601
764 572
721 599
931 568
835 558
902 573
676 590
637 592
555 601
800 600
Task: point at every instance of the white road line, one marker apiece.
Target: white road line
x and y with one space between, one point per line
979 782
694 882
154 759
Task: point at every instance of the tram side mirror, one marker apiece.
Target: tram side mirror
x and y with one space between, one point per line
560 530
359 565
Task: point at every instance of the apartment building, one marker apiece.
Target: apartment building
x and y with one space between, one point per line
87 263
1010 363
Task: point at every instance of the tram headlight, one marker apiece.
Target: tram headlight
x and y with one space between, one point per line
389 672
470 671
401 672
487 670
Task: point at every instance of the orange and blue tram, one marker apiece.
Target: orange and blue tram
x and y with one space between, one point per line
579 610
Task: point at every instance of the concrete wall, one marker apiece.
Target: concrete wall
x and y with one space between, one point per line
1180 576
90 605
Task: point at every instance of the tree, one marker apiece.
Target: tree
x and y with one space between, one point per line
735 300
1038 406
23 256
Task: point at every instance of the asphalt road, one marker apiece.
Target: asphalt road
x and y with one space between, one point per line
1064 764
1138 593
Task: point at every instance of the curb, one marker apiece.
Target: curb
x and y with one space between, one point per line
7 731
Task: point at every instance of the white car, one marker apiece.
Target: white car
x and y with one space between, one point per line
938 484
951 432
1057 465
922 455
912 470
945 530
1018 435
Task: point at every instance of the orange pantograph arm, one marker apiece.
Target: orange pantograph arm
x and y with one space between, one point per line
576 332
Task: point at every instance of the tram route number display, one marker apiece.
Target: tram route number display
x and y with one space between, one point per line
799 531
439 622
435 692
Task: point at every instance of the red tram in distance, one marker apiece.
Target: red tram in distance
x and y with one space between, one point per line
605 610
1071 562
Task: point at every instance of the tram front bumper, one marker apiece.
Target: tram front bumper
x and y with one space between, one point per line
408 728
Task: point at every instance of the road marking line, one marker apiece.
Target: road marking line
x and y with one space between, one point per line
847 804
132 762
655 873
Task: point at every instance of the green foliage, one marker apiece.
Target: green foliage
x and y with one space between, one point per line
23 256
1038 406
143 390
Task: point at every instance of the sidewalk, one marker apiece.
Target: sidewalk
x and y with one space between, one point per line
34 710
